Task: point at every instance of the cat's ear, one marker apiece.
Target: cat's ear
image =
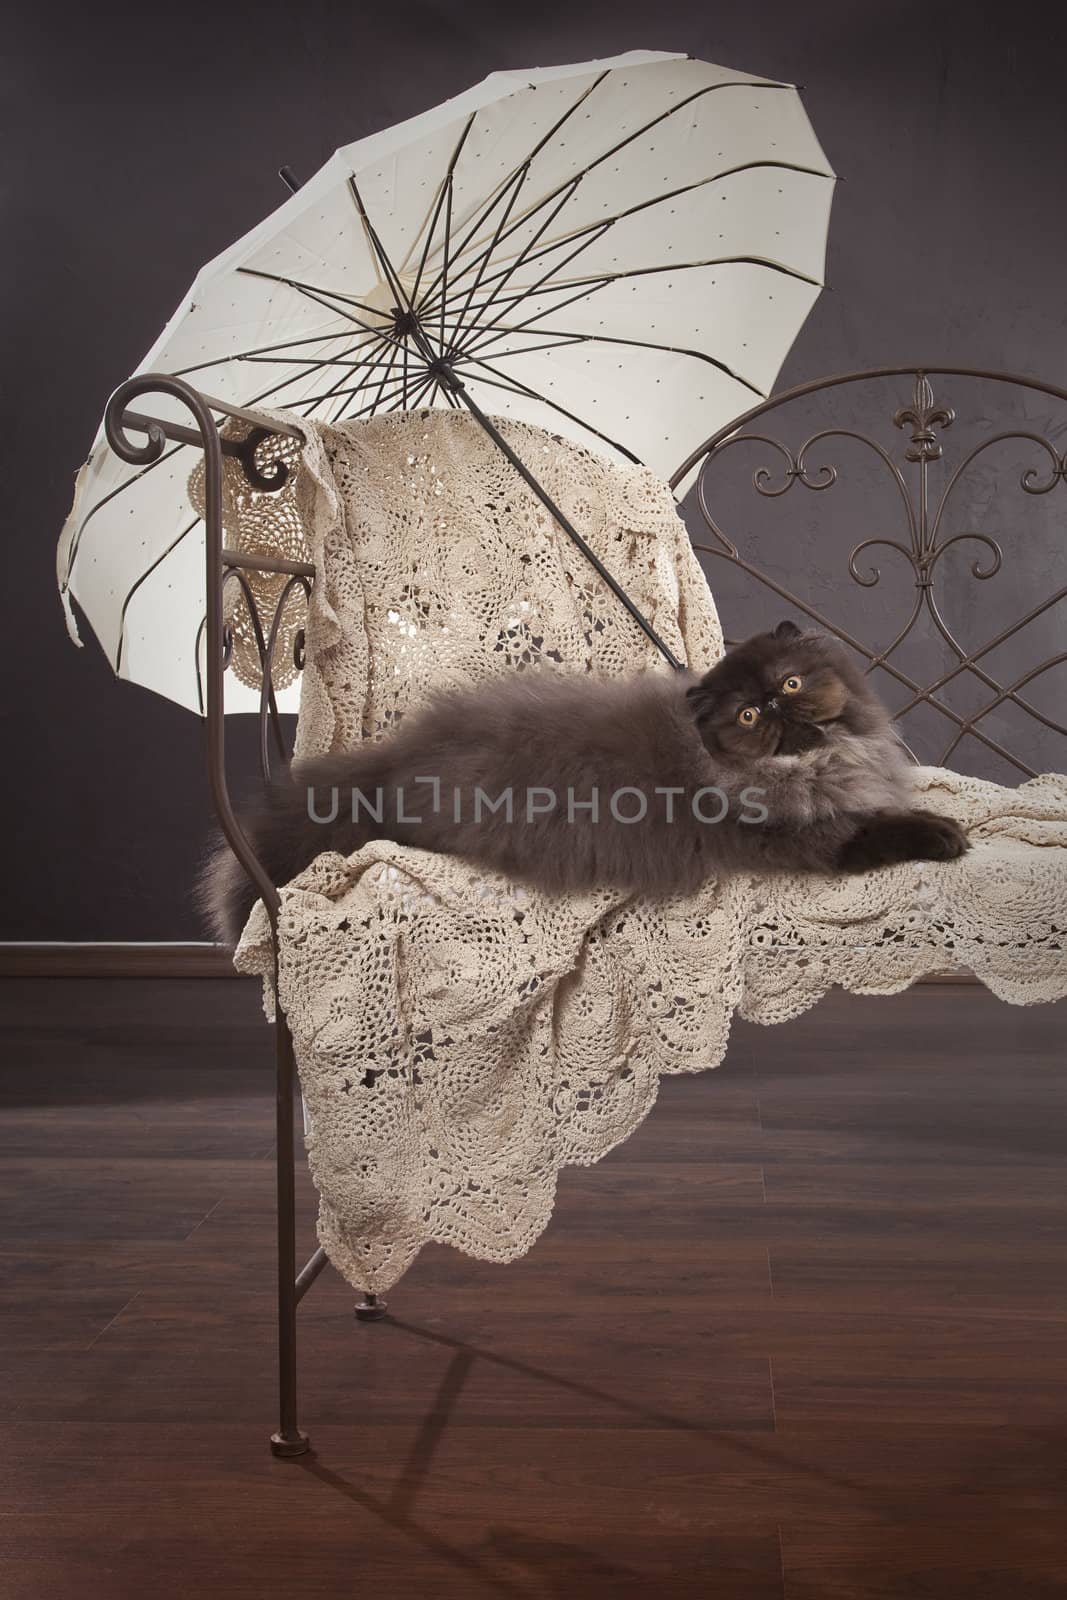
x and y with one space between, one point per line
701 699
786 630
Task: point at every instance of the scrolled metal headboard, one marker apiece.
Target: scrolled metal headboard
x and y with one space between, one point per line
914 499
923 503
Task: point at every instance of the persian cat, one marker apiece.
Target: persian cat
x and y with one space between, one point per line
780 759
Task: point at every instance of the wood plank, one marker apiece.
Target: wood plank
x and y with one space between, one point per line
115 960
804 1335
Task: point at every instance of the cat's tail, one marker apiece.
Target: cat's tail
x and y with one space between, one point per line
223 893
290 822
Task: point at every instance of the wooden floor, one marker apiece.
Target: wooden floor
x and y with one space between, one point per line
805 1335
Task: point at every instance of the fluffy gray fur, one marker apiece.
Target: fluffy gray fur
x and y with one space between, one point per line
833 776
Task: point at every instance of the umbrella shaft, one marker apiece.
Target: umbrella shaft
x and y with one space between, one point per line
455 384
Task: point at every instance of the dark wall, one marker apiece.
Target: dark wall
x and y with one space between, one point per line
139 143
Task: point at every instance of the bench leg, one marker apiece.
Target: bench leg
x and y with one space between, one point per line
371 1308
288 1441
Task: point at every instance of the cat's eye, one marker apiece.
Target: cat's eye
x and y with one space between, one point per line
748 716
792 684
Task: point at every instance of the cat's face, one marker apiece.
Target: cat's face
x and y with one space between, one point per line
780 694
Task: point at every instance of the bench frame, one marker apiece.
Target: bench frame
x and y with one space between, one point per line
924 419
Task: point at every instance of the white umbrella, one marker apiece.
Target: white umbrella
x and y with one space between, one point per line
621 251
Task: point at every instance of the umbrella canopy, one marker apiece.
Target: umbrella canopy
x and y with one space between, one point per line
621 251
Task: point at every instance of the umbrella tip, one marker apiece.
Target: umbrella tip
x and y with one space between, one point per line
289 178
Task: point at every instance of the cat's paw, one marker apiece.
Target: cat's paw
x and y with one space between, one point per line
937 838
889 838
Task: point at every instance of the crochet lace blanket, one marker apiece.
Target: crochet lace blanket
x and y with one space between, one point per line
460 1039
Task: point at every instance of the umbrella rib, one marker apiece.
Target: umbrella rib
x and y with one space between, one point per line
549 311
516 387
629 139
416 397
418 332
591 285
262 352
472 291
398 399
392 276
441 281
446 188
766 262
272 389
312 405
344 359
338 393
316 294
295 283
142 578
641 344
515 266
569 337
196 661
597 228
335 389
532 349
381 337
526 293
265 394
505 183
519 261
301 361
368 231
448 235
385 376
392 347
72 554
384 263
367 410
